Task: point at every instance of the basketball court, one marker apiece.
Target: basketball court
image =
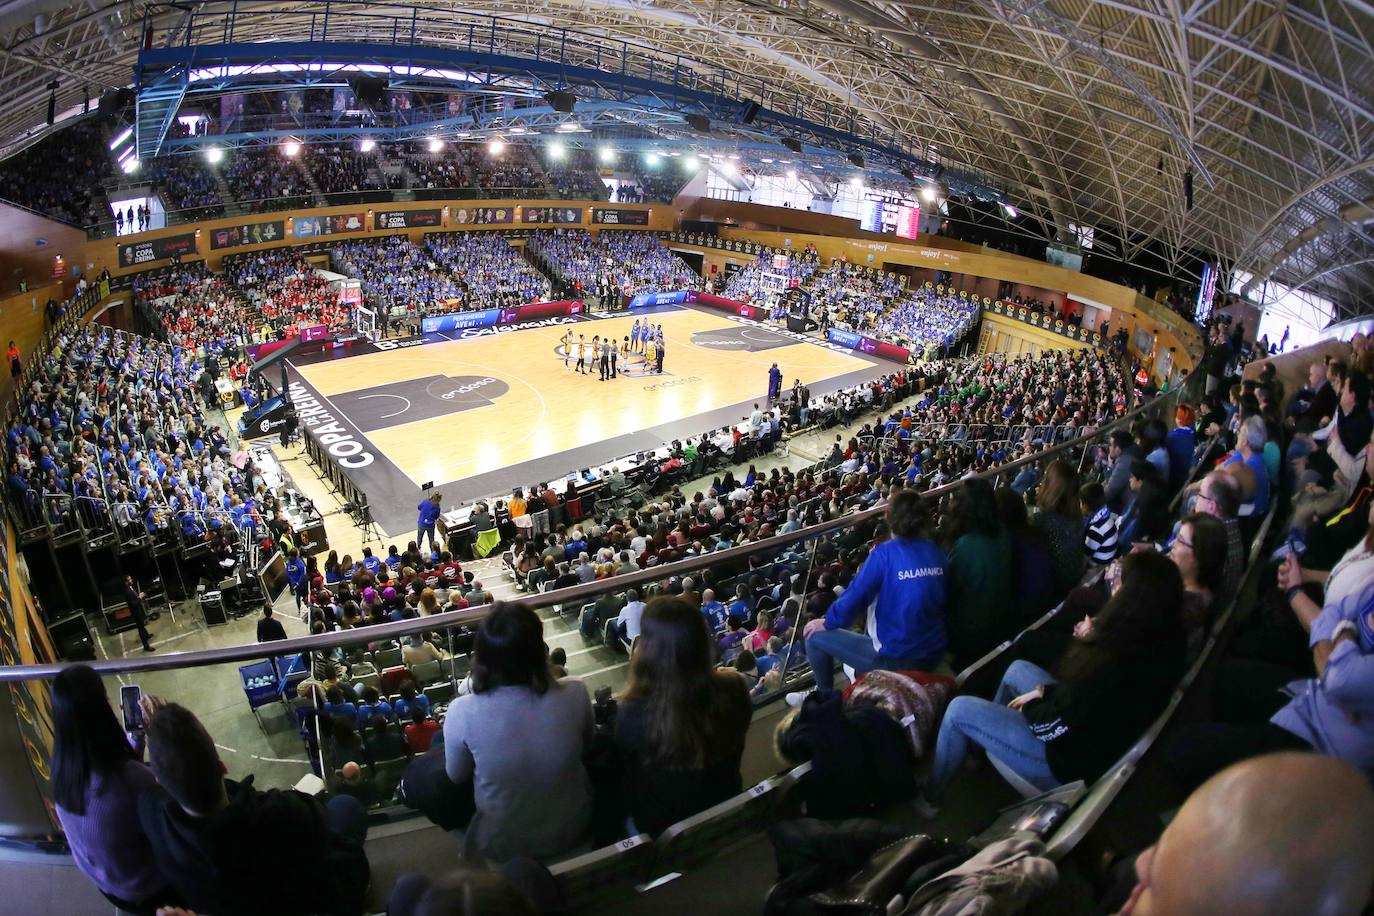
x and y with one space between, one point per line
480 411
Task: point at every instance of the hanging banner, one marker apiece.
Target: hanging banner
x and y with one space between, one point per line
248 234
607 217
481 216
169 246
409 219
311 226
562 216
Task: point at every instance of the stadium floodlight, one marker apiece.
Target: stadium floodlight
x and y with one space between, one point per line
435 144
213 154
367 146
291 149
122 138
857 183
557 149
130 166
1011 211
791 174
729 168
496 146
691 163
651 160
606 155
930 194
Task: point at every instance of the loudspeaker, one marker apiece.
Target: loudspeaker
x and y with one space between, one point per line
561 100
750 112
115 101
908 174
792 143
1188 188
369 91
856 160
699 123
212 607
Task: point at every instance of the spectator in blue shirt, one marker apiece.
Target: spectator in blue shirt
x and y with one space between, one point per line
370 563
295 575
713 611
429 515
1181 442
410 699
741 609
339 707
372 705
1250 441
904 581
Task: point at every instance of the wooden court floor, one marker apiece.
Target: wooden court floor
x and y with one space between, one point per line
451 410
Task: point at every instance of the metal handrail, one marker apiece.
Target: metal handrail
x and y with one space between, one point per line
569 595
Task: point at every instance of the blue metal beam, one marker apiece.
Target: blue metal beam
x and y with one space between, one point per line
679 88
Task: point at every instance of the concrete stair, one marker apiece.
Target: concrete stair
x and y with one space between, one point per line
311 183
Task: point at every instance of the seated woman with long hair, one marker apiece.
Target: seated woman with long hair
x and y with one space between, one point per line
519 737
1112 682
681 723
97 777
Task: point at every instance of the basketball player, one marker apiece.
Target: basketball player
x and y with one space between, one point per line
594 354
567 348
581 351
634 335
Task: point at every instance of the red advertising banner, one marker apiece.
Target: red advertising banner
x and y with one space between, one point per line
608 217
728 305
317 332
548 309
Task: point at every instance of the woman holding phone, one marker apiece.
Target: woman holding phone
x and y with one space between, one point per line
97 777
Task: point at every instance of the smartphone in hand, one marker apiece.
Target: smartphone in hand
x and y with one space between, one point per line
130 697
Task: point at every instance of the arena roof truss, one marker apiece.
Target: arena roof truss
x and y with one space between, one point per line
1086 112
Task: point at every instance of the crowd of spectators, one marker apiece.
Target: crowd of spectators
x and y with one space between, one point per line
111 427
868 301
399 276
286 292
492 272
261 179
615 263
340 168
187 184
194 308
61 175
647 187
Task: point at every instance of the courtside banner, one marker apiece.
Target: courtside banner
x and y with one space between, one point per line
673 297
542 310
248 234
742 309
409 219
480 216
563 216
868 345
606 217
169 246
457 321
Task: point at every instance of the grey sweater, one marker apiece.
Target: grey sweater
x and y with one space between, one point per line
523 754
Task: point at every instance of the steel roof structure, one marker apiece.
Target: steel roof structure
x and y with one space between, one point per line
1089 112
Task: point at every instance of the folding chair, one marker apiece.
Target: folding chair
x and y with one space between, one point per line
260 685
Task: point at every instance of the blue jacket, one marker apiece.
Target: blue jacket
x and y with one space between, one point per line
906 579
429 513
1180 444
295 572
